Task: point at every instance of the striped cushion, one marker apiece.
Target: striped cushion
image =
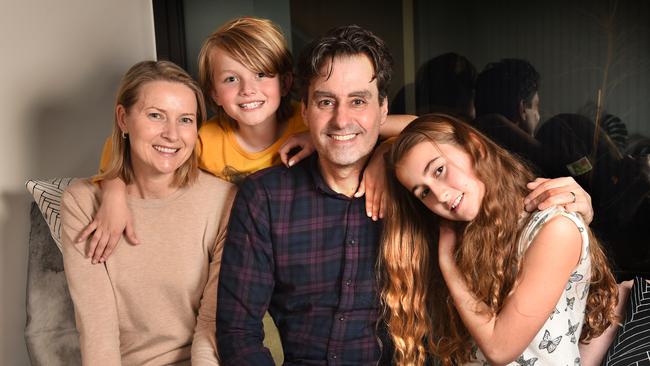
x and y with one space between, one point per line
632 343
47 195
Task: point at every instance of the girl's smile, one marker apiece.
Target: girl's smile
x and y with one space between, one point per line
442 177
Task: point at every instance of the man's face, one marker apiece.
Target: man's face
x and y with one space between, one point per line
343 111
531 115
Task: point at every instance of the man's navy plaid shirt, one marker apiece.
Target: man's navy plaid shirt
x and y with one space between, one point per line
307 254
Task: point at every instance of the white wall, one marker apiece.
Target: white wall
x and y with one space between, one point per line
60 65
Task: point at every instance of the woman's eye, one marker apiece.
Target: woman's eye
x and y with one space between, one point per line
424 193
230 79
439 171
155 115
187 120
261 75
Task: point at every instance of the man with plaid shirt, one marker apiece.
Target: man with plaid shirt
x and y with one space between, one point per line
299 244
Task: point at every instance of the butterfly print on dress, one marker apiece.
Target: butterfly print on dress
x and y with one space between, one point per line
549 344
523 362
572 331
575 277
569 303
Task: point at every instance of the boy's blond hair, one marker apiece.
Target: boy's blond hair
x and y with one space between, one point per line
256 43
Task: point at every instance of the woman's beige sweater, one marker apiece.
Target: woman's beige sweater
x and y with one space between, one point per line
152 303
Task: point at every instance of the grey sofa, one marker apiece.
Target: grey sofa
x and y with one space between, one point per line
50 333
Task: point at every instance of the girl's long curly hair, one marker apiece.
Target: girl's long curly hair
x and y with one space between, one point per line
421 318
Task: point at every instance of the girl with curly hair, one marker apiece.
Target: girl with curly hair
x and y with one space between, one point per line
468 276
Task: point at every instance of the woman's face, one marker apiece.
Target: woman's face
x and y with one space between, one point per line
161 127
442 177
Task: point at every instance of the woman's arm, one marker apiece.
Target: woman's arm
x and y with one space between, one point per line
545 270
204 345
90 286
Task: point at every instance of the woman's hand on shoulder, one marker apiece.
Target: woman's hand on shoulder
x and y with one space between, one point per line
301 140
563 191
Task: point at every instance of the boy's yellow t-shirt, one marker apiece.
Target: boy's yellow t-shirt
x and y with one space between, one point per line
220 153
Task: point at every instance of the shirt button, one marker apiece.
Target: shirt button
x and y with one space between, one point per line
352 242
348 283
342 318
333 356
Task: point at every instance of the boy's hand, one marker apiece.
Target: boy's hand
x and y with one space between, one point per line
113 217
300 140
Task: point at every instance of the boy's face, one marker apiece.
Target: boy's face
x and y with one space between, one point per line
251 98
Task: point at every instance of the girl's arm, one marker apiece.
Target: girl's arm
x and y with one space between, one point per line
373 183
546 267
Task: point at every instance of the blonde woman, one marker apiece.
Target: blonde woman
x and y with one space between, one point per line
151 304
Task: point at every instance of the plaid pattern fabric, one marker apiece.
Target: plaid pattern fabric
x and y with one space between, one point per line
307 254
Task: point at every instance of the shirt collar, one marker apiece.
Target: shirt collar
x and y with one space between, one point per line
313 167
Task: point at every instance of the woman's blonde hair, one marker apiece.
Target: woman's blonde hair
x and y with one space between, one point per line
256 43
120 165
418 311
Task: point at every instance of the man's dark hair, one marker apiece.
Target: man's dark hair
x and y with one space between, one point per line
344 41
502 85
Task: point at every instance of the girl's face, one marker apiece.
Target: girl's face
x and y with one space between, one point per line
162 128
442 177
250 98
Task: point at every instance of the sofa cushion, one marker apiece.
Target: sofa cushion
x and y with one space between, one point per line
47 195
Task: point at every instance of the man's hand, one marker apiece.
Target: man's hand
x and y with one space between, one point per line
563 191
